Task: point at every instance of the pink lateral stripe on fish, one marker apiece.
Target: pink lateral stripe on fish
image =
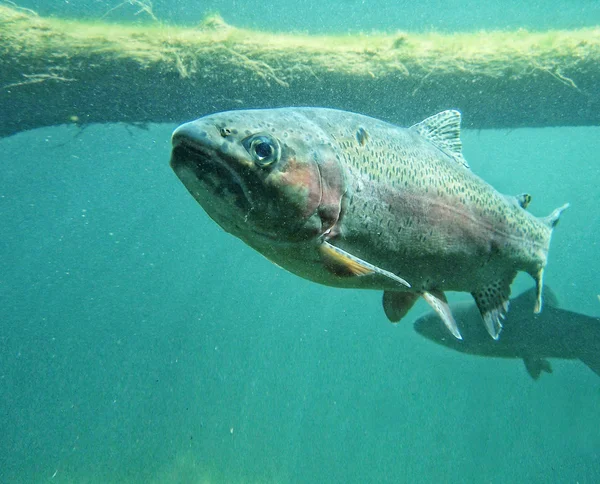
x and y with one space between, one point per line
350 201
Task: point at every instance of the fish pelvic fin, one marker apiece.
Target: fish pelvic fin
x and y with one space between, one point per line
493 302
443 131
437 300
343 263
397 304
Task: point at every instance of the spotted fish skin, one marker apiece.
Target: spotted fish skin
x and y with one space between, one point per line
351 201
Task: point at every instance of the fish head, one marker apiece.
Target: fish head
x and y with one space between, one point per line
261 174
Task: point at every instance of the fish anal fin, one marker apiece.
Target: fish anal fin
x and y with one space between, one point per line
443 131
535 366
493 302
437 300
397 304
344 264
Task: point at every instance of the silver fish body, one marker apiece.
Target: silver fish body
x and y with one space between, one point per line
347 200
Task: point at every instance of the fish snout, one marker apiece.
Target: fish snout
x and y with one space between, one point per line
192 146
187 132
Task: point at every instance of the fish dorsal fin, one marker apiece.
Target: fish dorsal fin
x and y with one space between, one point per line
443 131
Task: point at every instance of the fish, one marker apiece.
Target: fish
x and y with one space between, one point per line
555 333
346 200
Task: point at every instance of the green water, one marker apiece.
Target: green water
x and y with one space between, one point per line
140 343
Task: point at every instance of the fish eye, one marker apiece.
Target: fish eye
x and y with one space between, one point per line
264 149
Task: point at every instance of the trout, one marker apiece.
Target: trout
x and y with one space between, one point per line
350 201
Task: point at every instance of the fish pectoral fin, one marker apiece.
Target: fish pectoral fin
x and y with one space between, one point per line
397 304
493 302
535 366
343 263
437 300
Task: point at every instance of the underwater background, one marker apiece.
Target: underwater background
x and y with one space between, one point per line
141 343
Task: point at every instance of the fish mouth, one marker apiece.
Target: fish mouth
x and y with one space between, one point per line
213 173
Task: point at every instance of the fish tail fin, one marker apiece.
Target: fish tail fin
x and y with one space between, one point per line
550 221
